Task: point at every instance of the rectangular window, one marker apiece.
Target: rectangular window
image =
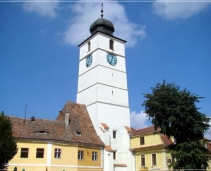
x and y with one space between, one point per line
80 155
154 163
141 140
142 160
24 152
89 46
94 155
114 132
40 153
111 44
114 155
57 153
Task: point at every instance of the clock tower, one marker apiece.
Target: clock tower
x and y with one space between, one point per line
102 87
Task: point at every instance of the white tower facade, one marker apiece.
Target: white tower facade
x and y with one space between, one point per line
102 87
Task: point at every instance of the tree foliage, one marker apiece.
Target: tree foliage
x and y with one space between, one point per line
8 146
175 112
189 155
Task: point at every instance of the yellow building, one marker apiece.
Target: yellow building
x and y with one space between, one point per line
68 143
150 149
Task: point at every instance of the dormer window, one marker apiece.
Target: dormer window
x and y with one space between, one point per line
89 46
41 132
78 133
111 44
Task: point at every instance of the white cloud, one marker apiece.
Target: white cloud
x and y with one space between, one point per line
208 134
139 120
46 8
173 10
87 13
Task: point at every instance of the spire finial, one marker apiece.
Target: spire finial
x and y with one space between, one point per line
102 10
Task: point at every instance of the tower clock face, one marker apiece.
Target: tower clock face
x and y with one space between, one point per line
112 60
88 61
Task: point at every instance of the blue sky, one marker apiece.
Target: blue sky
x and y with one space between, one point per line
39 53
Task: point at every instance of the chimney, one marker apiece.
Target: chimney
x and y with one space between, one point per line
67 118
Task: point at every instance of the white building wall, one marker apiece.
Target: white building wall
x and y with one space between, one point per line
103 89
112 95
99 57
104 94
101 41
112 77
102 75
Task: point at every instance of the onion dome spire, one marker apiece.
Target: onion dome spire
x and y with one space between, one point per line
102 25
102 10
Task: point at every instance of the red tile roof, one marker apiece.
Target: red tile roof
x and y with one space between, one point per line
128 129
167 141
144 131
79 130
108 148
105 126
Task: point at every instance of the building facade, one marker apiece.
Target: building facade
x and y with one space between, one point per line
68 143
150 149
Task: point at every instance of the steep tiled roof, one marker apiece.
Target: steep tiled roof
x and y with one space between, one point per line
78 130
108 148
167 141
128 129
144 131
105 126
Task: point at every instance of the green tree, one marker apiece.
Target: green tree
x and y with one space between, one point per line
8 146
175 112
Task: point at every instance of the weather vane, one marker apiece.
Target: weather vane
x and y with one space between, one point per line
102 11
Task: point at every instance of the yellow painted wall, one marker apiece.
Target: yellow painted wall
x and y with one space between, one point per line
32 153
87 161
152 139
68 161
69 154
148 158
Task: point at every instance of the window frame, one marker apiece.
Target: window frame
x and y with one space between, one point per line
89 46
142 140
114 131
154 159
114 155
57 153
24 152
111 44
40 153
143 161
80 155
94 156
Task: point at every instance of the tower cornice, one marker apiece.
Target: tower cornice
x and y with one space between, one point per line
103 34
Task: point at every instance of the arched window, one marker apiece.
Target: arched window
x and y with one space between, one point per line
111 44
89 46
